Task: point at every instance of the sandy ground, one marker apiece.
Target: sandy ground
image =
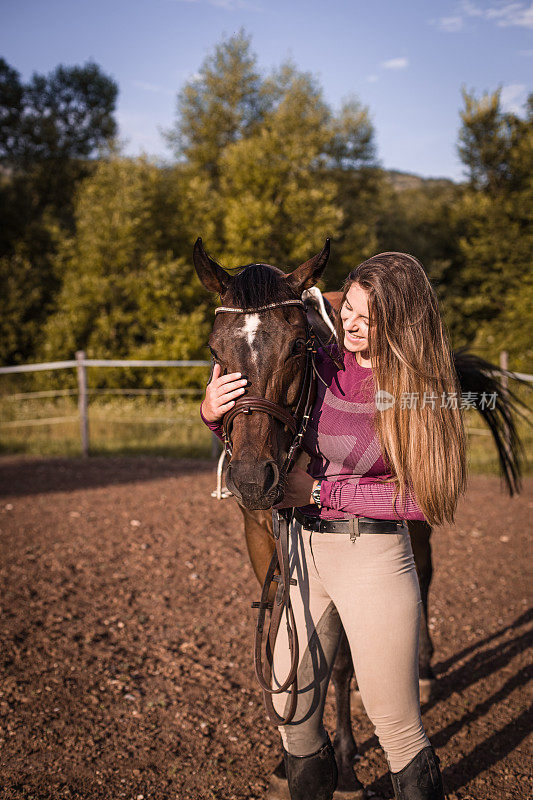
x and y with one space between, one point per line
126 639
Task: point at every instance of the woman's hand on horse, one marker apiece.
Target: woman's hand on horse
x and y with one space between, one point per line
221 392
298 488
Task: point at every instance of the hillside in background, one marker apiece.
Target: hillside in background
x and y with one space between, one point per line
408 180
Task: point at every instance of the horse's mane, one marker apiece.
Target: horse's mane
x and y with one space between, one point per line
257 285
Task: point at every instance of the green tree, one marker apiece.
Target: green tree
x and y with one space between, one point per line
51 128
279 204
124 292
351 144
486 141
280 165
497 212
224 102
21 301
417 216
352 165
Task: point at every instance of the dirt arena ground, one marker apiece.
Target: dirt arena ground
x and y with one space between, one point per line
126 639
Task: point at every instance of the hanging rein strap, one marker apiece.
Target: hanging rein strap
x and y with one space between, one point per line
282 603
279 571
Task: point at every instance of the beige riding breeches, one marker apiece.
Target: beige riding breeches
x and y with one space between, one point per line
371 586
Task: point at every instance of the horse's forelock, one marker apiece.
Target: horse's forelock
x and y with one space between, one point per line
257 285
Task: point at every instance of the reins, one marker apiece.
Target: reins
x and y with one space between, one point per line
279 569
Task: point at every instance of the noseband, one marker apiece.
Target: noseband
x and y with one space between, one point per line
279 569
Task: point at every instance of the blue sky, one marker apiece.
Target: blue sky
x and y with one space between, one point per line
405 60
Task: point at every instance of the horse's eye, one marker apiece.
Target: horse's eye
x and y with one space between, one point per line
298 347
213 353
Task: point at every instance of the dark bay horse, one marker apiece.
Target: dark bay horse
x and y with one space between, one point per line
267 348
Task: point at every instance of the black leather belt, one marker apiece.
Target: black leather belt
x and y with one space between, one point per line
355 526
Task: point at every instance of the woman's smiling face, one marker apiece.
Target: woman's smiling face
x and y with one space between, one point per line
354 316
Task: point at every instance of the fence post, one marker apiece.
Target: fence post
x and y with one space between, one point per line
504 364
82 401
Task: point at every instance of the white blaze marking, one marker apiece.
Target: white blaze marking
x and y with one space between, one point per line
249 329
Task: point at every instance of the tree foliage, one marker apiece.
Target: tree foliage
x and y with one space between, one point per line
51 130
496 210
67 114
268 147
224 102
51 127
124 292
278 203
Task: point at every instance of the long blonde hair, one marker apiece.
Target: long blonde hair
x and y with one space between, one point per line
424 446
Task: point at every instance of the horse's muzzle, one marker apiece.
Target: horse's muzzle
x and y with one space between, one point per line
254 483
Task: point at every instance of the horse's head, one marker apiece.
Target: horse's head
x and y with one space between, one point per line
264 334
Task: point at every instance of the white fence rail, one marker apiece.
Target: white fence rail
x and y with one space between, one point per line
99 362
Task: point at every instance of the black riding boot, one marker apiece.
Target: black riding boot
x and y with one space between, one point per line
312 777
420 779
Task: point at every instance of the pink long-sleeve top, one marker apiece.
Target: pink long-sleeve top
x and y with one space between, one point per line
344 449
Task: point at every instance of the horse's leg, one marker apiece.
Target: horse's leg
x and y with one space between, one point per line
344 744
420 533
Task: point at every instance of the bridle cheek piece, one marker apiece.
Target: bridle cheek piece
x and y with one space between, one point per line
278 570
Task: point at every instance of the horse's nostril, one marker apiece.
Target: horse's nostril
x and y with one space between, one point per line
271 475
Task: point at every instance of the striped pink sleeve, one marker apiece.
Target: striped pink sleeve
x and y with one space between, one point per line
368 500
216 427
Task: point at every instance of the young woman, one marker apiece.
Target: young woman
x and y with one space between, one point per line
388 444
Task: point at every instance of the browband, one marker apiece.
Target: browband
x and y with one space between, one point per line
261 308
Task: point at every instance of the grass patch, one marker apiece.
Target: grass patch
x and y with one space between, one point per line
127 426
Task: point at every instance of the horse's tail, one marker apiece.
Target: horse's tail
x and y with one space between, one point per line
478 375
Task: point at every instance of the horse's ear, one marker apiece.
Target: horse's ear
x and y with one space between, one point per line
212 275
308 274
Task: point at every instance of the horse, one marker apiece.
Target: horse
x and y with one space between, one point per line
268 348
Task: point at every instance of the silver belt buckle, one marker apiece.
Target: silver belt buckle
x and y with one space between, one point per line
354 533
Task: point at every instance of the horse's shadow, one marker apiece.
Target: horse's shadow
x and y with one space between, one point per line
481 664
